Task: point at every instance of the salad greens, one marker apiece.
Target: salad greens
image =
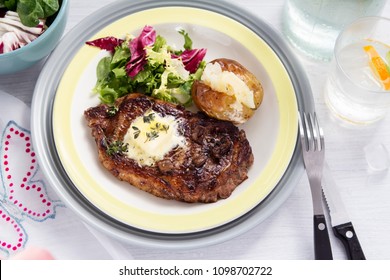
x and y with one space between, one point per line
147 64
30 11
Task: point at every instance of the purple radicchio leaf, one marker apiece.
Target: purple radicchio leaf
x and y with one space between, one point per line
14 35
9 42
138 52
192 58
107 43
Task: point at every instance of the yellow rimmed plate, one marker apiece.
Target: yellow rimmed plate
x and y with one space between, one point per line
271 132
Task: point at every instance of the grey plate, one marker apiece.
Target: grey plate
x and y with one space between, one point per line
41 125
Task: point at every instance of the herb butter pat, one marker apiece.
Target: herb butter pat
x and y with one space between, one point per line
151 136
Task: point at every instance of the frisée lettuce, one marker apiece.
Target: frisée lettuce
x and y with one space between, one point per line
147 64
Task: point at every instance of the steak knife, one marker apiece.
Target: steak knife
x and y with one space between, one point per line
341 224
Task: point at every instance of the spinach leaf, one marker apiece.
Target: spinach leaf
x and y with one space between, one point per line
9 4
30 11
49 7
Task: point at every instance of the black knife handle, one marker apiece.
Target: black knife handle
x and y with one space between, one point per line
322 248
346 233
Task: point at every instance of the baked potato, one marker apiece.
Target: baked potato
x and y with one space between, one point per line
227 91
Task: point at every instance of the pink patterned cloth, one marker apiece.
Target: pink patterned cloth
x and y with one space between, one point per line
32 215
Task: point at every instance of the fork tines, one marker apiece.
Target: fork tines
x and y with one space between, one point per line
313 139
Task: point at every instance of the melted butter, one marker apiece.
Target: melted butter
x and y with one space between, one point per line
151 136
229 83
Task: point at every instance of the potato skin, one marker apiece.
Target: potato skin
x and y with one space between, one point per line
219 104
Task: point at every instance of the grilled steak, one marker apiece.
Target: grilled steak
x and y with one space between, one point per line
213 161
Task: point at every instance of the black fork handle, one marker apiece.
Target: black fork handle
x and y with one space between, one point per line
322 248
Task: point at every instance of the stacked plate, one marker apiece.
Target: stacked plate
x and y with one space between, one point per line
67 152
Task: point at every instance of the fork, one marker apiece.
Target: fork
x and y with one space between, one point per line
313 150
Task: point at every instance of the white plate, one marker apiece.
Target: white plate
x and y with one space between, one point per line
122 210
271 131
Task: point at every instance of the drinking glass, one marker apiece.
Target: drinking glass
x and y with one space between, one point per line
353 91
312 26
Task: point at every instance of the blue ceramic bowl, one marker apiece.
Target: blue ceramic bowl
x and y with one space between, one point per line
33 52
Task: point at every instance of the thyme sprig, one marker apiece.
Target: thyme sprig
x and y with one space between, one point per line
149 118
112 110
155 128
151 135
137 132
117 148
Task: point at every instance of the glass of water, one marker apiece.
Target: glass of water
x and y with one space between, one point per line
312 26
358 85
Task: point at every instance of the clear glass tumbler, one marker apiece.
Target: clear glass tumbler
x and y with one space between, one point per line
312 26
355 89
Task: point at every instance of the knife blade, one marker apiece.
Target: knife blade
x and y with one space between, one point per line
342 226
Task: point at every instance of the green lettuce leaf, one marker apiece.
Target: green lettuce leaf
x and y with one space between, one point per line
30 11
9 4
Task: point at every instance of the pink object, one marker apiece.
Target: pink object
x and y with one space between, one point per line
192 58
107 43
34 253
138 52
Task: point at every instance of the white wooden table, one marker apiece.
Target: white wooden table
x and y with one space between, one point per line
287 234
